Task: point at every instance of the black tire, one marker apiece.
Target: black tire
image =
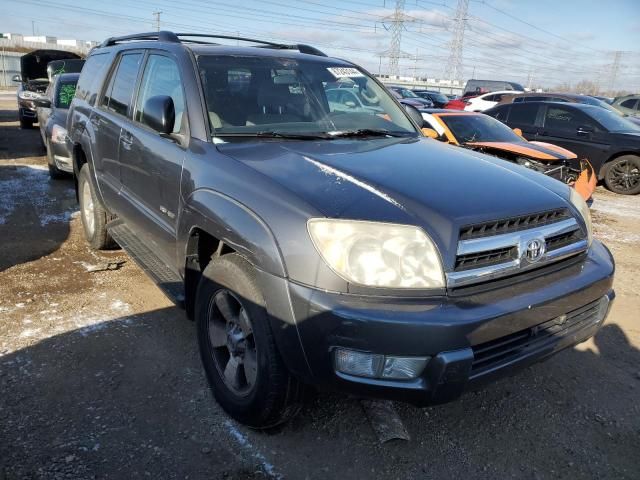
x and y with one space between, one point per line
270 395
54 172
93 214
622 175
25 124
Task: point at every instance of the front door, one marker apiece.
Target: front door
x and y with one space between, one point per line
151 163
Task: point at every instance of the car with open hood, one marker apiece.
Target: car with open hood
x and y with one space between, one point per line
34 80
483 133
320 247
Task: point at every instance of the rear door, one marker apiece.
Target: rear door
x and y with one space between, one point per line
525 117
151 163
107 121
574 130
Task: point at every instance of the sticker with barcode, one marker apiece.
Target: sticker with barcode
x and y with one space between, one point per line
340 72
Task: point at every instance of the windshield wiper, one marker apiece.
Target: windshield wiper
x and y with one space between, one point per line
368 132
273 134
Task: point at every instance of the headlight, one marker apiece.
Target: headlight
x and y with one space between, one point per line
58 134
28 95
378 254
583 208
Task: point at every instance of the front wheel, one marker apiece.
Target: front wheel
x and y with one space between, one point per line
622 175
242 363
25 123
93 214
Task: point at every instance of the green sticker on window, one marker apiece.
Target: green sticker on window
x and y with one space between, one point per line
66 95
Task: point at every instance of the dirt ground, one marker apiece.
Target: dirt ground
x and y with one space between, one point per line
100 377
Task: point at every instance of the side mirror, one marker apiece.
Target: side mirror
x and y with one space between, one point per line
430 132
415 115
16 78
159 114
585 130
518 132
43 102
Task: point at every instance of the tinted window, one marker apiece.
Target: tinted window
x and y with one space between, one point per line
629 103
523 114
561 118
479 128
161 77
239 80
501 113
92 72
118 95
66 91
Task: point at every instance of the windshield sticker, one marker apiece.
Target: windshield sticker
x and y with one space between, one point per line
66 95
341 72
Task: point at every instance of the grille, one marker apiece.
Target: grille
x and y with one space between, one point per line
486 258
513 224
504 350
559 241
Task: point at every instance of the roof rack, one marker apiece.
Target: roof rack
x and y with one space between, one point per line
166 36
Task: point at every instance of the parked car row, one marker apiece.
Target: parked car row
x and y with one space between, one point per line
294 207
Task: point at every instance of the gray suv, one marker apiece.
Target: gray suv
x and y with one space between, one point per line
318 247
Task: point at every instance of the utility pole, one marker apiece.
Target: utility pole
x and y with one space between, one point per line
454 65
617 55
397 25
33 28
157 15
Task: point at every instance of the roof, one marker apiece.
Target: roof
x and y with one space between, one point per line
446 110
579 106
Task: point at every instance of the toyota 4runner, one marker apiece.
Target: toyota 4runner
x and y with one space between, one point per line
318 244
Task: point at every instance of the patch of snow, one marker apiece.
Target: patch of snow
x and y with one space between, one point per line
243 441
620 205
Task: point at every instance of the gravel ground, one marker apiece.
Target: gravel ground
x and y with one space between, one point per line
100 377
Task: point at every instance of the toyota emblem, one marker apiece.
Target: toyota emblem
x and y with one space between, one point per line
535 250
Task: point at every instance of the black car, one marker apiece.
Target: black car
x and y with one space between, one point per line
407 94
34 81
337 249
52 111
609 141
438 99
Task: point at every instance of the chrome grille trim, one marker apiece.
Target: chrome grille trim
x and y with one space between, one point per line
518 240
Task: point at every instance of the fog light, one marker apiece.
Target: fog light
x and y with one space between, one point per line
358 363
403 367
362 364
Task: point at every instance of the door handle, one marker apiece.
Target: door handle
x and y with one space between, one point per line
95 121
126 139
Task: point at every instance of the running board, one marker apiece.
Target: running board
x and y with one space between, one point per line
169 282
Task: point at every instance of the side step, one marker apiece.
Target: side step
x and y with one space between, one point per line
169 282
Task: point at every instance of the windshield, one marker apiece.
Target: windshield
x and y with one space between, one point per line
479 128
599 103
438 97
613 122
66 91
255 96
406 93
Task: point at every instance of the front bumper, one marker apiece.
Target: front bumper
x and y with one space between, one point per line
512 327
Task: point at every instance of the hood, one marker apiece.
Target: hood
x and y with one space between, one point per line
34 64
415 181
535 150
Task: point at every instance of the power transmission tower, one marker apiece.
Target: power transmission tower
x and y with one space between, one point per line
614 69
157 15
454 65
397 25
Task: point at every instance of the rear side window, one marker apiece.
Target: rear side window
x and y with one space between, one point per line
161 77
119 93
523 114
631 103
92 71
500 113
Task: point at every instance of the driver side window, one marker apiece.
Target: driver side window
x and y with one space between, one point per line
560 118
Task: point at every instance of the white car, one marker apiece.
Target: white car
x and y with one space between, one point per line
487 100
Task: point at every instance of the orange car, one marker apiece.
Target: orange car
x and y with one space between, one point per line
486 134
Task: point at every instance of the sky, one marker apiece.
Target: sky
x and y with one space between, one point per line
541 43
